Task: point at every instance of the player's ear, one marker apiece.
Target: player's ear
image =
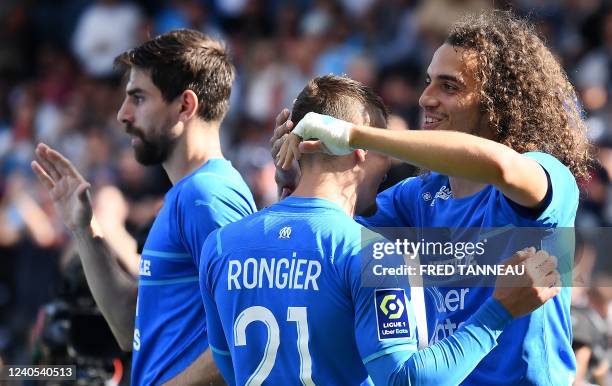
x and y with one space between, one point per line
360 154
189 105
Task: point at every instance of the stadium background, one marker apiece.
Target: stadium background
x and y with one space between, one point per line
57 85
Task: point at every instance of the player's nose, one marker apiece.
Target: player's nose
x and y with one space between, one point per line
124 114
428 99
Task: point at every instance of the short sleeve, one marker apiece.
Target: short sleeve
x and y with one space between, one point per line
384 317
562 198
216 337
204 207
208 253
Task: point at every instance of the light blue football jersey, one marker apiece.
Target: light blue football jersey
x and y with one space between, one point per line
284 299
170 329
535 349
286 304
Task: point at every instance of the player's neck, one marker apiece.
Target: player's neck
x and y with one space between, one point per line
460 187
337 187
199 143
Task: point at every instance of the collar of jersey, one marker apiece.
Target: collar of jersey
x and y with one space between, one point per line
310 202
206 165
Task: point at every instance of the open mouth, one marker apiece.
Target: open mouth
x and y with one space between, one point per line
430 122
136 141
135 135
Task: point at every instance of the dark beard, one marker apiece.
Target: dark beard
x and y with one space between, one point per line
152 152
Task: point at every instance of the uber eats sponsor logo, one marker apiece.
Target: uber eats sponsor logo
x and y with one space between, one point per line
391 314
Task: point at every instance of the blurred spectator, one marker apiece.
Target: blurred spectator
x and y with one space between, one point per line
339 43
57 85
186 14
434 17
30 239
104 30
111 212
393 33
591 322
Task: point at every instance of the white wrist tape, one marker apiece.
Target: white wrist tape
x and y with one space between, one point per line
334 133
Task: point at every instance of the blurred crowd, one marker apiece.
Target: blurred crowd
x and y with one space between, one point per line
58 86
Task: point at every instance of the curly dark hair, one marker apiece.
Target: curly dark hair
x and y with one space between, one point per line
530 102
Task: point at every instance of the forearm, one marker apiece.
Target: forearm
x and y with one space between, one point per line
460 155
114 290
454 358
447 152
36 221
202 371
601 372
225 365
450 360
123 246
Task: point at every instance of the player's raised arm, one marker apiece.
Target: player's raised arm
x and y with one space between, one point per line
450 360
451 153
113 289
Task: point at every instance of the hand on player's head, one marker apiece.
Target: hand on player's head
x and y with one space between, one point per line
522 294
332 133
285 153
288 179
282 128
288 152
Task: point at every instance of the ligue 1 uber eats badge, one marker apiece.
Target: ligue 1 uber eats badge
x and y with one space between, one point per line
391 314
